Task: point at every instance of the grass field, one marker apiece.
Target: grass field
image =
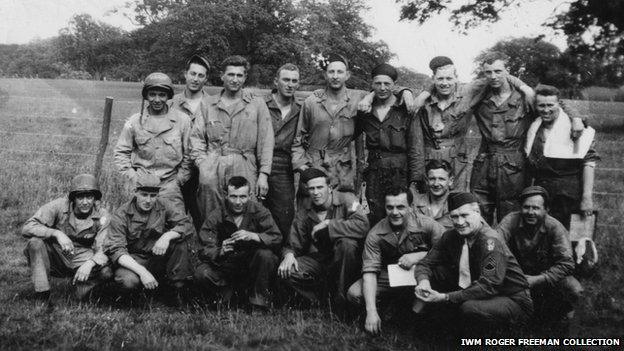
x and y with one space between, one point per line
50 131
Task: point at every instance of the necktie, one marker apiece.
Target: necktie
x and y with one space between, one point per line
464 267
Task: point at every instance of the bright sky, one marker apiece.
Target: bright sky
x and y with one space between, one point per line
414 45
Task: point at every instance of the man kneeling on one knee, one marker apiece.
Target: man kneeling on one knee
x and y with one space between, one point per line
65 239
542 245
324 242
403 237
236 247
148 241
470 268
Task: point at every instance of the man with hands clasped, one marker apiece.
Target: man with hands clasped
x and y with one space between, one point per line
148 241
473 271
236 247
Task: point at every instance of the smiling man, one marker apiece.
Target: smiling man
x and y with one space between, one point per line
65 239
233 136
544 252
563 166
474 272
434 203
147 242
236 248
189 101
324 243
402 238
157 141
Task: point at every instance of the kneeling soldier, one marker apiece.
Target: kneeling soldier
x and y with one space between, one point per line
66 238
324 242
403 237
542 246
237 244
148 241
480 274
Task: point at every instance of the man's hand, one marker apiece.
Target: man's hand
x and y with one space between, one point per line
148 280
423 288
289 263
161 245
319 227
66 244
587 206
365 105
408 260
244 235
227 246
83 272
412 105
430 295
577 128
262 186
373 322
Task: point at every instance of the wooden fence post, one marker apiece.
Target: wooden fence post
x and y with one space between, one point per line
108 107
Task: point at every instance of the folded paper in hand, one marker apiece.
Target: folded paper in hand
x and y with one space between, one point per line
401 277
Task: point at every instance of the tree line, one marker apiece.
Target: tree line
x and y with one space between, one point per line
271 32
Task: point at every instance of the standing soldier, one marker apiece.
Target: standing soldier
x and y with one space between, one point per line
390 133
238 245
147 242
563 166
284 109
189 101
326 128
232 136
157 141
65 238
445 118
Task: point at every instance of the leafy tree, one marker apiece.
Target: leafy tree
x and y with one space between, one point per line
91 45
595 31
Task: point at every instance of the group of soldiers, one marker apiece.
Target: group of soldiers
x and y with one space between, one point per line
260 198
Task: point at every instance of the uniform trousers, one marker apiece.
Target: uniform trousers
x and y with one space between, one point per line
45 258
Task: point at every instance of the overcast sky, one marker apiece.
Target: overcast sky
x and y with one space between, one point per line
414 45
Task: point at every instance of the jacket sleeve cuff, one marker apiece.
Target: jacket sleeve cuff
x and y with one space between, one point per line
115 255
455 297
99 258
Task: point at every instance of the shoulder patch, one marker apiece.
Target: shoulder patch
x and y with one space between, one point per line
490 244
104 220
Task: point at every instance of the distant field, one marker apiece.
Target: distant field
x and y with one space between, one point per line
50 130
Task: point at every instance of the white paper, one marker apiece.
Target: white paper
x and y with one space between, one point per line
401 277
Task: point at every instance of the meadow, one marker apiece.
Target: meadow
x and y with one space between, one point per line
50 131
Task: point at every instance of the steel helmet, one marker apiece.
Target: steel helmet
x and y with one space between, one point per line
84 183
160 81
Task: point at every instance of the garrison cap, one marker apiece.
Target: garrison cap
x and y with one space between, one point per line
198 59
459 199
148 182
532 191
312 173
439 61
386 70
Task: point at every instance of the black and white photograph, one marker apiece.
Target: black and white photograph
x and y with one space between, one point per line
311 174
